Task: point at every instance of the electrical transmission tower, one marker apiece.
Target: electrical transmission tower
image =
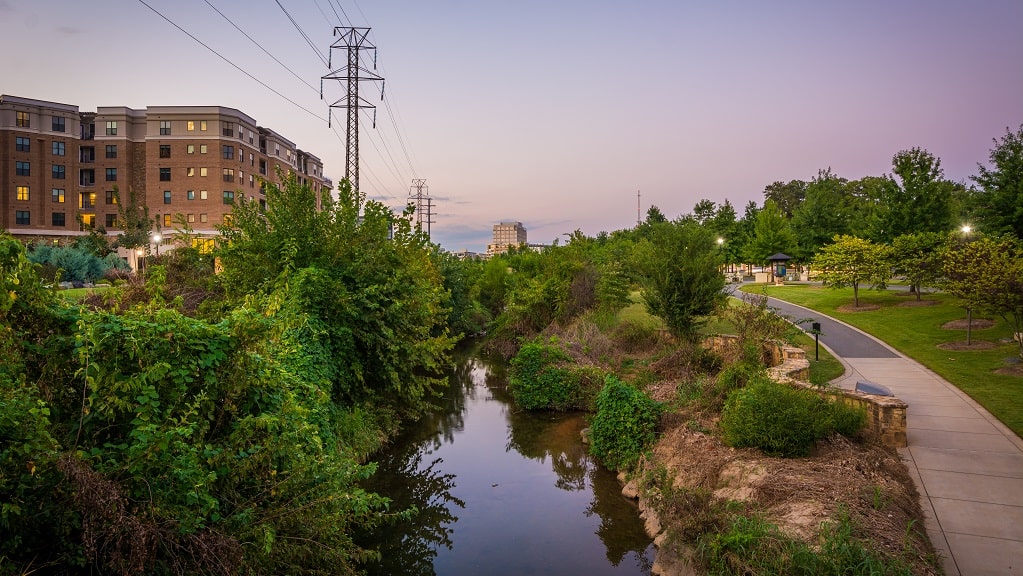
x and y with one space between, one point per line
353 40
423 202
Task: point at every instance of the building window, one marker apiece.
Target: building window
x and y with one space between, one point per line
203 217
228 175
191 149
87 177
203 195
228 197
228 152
58 172
262 167
202 148
87 200
189 171
202 125
241 132
57 219
87 154
164 150
111 174
166 196
252 180
22 169
22 144
111 151
111 220
190 195
203 171
111 128
227 129
88 221
165 174
241 177
21 120
167 221
191 218
57 195
111 197
22 217
58 148
277 149
228 218
165 128
23 193
58 124
190 126
252 160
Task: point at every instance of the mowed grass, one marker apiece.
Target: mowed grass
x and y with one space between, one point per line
76 294
916 331
822 371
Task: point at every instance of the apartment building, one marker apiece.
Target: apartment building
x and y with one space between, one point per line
506 235
59 166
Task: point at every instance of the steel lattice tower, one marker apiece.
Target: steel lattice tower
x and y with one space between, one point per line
353 40
423 202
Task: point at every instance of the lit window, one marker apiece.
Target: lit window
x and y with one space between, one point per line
166 196
111 174
165 174
167 221
22 217
57 195
165 127
111 197
190 125
202 147
190 195
58 172
88 220
228 197
22 169
111 128
164 150
58 124
203 195
189 171
21 120
203 171
22 144
87 200
111 151
57 219
228 218
58 148
202 125
191 148
191 218
228 175
23 193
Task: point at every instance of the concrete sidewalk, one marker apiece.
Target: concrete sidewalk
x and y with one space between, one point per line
966 464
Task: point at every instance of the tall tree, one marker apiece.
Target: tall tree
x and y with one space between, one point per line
136 226
919 258
704 211
771 234
824 214
787 195
1001 196
851 261
922 199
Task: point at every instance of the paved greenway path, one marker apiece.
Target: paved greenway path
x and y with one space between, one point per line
968 466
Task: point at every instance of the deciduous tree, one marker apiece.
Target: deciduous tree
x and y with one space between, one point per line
1001 195
851 261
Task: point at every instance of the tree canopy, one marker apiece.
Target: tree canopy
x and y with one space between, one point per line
851 261
1001 197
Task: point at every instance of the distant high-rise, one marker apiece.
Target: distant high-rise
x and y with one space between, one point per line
507 235
59 166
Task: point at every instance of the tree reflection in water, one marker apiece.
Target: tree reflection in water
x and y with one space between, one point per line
412 476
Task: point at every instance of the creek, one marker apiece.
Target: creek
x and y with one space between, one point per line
501 491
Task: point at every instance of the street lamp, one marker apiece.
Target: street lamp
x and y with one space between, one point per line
156 240
966 229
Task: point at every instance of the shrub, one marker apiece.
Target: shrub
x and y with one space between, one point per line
783 421
538 382
624 424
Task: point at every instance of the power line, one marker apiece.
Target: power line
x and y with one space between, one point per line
233 65
304 35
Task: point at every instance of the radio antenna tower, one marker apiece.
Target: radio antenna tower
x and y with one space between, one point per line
353 40
420 194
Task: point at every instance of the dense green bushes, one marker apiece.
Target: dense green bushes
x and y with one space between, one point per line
624 425
542 378
784 421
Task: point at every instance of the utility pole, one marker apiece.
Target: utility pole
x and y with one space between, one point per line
423 202
353 40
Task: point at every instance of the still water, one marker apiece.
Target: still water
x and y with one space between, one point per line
502 491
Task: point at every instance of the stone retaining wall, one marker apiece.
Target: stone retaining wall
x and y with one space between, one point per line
886 415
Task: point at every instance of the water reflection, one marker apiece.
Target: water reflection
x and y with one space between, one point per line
484 509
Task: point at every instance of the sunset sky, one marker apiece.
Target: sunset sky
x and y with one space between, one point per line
556 113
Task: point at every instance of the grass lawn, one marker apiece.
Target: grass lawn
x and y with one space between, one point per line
76 294
916 332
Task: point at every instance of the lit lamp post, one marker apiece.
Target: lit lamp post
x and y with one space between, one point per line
156 240
721 244
966 229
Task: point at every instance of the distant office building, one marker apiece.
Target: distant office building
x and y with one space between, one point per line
506 235
59 166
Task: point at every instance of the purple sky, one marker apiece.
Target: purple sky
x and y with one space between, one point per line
555 113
